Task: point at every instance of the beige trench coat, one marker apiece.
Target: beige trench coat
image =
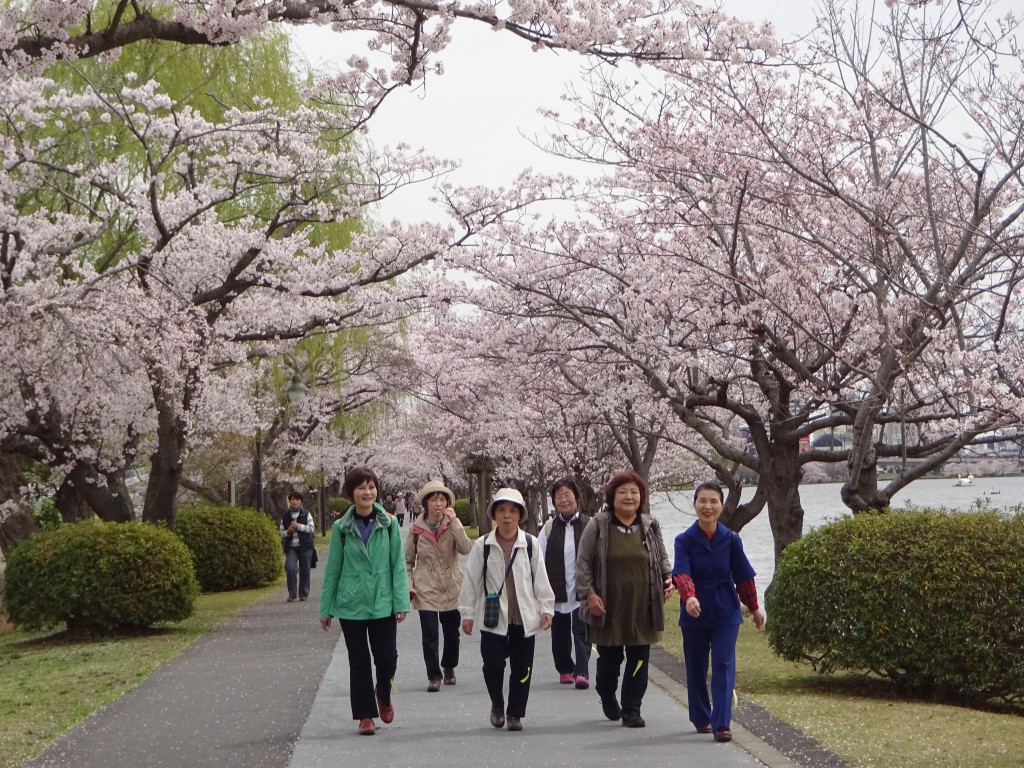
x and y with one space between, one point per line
433 564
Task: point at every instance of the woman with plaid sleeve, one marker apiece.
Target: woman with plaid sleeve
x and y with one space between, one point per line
713 575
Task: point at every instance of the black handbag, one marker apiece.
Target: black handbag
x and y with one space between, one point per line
312 559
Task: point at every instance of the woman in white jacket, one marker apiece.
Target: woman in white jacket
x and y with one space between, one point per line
507 565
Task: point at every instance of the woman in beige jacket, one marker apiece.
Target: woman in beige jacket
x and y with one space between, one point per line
432 552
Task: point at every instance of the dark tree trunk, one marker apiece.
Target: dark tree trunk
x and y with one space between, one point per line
165 465
85 491
16 520
860 492
780 474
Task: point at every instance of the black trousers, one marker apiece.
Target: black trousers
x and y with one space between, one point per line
569 633
518 649
364 637
449 622
634 683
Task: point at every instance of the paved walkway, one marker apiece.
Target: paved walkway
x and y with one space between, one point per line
269 688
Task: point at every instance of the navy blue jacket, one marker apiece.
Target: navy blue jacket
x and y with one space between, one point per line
716 566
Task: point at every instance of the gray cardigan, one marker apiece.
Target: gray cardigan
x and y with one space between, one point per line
592 562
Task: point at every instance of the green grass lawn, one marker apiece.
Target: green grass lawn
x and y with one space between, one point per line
863 720
47 685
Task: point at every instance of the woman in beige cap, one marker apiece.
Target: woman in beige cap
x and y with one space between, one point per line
432 552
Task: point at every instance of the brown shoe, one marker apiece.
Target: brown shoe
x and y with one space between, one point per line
723 734
497 717
449 676
366 727
433 685
706 728
515 723
387 710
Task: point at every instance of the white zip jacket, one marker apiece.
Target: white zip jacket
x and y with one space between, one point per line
533 592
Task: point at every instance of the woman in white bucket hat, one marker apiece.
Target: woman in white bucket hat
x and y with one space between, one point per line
506 591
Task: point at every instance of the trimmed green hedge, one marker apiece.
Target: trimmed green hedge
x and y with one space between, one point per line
233 547
934 601
463 512
100 578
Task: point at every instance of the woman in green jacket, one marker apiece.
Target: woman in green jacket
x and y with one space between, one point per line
366 588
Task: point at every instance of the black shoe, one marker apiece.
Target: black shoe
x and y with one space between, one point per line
497 717
723 734
515 724
611 709
631 719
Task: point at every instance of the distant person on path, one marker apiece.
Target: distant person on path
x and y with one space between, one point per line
432 551
623 579
297 531
713 575
559 541
366 588
401 507
506 590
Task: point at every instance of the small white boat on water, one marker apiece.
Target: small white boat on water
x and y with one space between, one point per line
963 481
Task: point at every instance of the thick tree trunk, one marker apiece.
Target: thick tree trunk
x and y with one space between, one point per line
16 520
780 478
860 492
165 466
85 492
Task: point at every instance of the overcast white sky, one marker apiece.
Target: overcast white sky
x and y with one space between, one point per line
483 110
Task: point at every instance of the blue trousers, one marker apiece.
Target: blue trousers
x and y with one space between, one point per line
720 644
568 634
296 569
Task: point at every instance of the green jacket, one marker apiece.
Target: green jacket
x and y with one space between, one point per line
365 581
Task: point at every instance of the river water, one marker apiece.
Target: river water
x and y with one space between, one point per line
822 504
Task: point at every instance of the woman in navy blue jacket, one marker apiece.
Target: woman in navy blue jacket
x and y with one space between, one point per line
713 575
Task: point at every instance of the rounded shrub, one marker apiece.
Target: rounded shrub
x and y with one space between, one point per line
233 547
934 601
464 512
100 578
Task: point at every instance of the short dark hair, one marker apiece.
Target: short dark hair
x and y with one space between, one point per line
709 486
629 476
356 477
565 482
431 495
294 495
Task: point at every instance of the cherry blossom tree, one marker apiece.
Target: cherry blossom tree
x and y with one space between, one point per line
252 183
832 243
491 377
